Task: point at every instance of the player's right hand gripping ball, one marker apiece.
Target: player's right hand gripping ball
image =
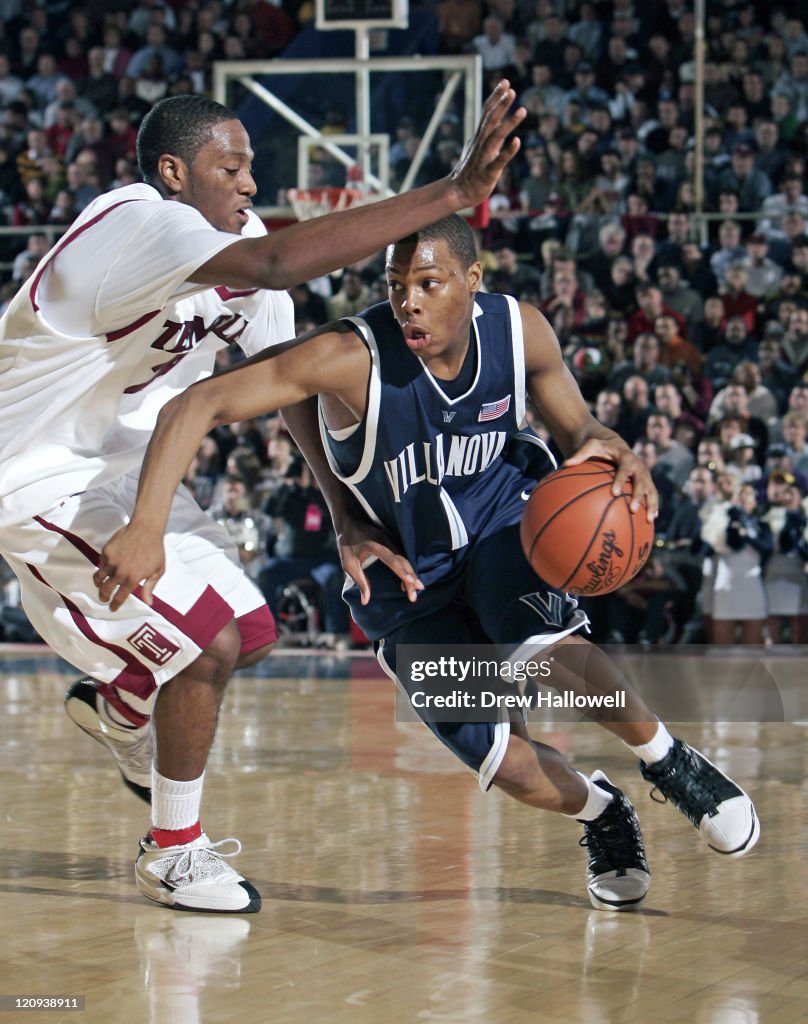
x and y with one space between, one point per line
578 536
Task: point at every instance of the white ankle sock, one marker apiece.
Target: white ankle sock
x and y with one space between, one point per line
656 748
175 805
597 800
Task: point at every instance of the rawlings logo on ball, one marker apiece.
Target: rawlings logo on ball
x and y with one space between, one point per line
604 572
579 536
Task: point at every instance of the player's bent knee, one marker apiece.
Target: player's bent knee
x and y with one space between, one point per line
248 658
218 660
517 773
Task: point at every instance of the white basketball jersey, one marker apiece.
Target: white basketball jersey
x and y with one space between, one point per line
105 331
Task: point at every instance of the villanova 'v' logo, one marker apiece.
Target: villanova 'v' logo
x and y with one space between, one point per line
448 416
552 608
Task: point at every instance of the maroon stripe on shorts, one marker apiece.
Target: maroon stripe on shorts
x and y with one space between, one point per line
257 629
204 620
78 543
134 677
206 617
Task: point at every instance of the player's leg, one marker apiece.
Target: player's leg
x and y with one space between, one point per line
720 809
118 718
209 552
187 638
502 754
109 714
178 865
518 610
120 722
538 775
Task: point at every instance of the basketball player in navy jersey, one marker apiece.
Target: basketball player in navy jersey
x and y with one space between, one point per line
421 402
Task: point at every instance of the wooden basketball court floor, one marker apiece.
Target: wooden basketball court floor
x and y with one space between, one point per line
394 890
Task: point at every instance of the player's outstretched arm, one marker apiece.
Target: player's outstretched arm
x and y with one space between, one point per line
358 539
325 361
321 246
575 430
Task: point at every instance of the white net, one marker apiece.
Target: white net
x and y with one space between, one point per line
315 202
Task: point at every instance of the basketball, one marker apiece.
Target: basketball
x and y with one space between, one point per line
578 536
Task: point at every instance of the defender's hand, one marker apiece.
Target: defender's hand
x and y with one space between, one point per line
360 541
481 164
130 557
629 467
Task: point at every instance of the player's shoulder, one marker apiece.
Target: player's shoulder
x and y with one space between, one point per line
494 307
139 202
139 192
541 346
534 321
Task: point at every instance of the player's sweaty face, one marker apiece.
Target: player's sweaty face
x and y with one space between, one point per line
220 184
432 295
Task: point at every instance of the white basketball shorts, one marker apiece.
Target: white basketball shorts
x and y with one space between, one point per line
138 647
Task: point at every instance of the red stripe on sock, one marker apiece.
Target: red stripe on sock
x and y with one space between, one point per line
175 836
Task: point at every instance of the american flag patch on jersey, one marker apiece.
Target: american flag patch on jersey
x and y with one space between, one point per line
493 410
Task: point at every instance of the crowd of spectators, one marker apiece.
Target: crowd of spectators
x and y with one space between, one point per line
688 334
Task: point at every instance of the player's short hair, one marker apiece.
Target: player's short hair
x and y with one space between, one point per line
452 230
180 125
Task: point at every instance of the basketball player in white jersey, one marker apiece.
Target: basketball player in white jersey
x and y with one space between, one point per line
126 311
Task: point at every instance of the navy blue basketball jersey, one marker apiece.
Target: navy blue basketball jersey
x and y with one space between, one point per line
434 470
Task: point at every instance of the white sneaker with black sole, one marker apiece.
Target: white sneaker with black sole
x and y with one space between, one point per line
131 748
195 876
618 876
721 811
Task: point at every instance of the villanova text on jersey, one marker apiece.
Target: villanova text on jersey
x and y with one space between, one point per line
446 455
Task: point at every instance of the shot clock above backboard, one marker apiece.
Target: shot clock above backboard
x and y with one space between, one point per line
346 14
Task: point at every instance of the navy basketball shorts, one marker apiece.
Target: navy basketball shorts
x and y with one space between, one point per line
498 599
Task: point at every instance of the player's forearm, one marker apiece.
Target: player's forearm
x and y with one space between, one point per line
181 425
573 440
303 423
322 246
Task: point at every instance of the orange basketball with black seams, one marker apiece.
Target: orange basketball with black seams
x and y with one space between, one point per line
581 538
